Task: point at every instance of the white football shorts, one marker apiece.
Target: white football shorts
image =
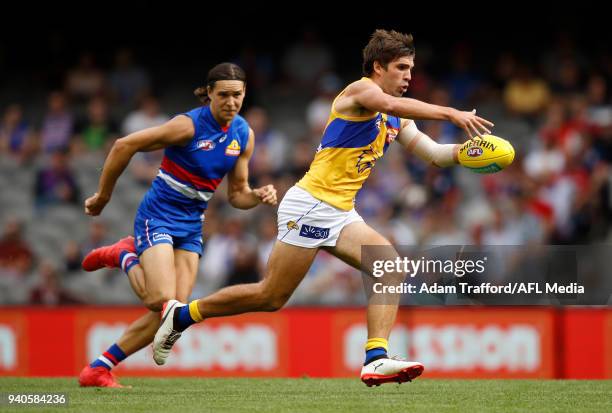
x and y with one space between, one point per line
308 222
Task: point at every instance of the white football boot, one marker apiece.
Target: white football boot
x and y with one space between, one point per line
166 335
390 370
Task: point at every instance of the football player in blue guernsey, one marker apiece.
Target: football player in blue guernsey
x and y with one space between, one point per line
319 212
201 147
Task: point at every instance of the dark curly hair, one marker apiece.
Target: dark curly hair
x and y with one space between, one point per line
223 71
384 47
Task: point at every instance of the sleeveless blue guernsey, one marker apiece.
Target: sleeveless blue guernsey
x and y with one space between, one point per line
172 211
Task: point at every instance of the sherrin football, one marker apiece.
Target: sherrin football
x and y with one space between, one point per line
486 154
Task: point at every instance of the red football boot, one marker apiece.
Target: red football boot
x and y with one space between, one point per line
97 377
108 256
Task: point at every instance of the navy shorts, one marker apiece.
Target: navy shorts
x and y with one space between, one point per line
150 231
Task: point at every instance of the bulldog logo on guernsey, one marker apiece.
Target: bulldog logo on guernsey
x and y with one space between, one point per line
233 149
206 145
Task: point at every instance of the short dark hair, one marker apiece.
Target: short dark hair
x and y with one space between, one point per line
385 46
223 71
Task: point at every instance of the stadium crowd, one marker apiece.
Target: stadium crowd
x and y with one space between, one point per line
557 112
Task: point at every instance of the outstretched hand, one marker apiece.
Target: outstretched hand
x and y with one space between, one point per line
473 125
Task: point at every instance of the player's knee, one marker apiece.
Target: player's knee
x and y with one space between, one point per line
154 301
276 303
273 300
153 304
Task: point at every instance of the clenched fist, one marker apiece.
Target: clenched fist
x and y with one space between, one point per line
95 204
266 194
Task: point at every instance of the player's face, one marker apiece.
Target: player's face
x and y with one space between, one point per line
397 76
226 99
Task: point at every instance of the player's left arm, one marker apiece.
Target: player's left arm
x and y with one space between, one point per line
415 141
240 194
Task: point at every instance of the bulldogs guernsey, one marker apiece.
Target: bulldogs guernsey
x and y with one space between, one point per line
172 211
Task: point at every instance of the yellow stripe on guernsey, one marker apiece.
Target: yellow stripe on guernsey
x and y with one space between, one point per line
349 149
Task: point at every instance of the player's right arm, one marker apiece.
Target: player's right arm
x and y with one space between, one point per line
418 143
370 96
177 131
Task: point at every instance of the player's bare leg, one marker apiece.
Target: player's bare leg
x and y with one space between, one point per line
382 309
121 254
186 267
141 332
286 268
136 276
380 315
160 275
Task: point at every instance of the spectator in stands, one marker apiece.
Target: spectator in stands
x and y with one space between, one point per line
259 65
147 115
98 236
554 58
300 157
244 266
600 115
266 236
307 60
545 161
49 291
16 135
505 69
526 94
16 257
97 129
568 80
600 108
463 82
317 112
128 81
86 80
503 230
55 183
271 153
72 257
144 165
58 124
222 247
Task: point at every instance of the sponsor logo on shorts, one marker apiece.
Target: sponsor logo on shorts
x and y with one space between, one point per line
292 225
474 152
310 231
161 237
206 145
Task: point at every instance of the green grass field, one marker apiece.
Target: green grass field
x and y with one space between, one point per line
321 395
